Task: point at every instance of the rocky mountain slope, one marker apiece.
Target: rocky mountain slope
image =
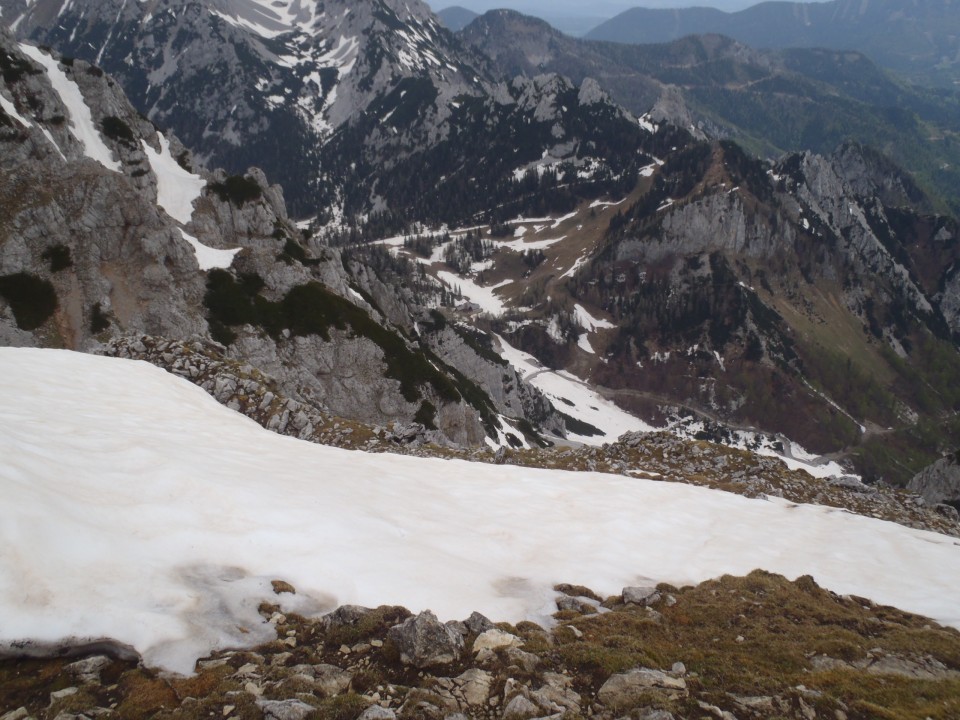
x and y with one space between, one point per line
219 73
813 298
769 101
108 231
916 39
366 97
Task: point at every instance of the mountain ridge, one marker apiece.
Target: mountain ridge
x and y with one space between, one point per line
916 39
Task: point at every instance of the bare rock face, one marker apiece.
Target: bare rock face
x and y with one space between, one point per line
424 642
939 483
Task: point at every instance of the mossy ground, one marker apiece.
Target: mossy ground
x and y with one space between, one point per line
743 640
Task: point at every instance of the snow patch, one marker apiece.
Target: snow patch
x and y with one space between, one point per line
209 258
484 297
574 397
177 189
81 122
588 322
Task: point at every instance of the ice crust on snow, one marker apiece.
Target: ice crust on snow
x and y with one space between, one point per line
177 189
136 508
81 122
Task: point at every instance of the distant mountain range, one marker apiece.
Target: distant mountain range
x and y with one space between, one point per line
919 39
771 101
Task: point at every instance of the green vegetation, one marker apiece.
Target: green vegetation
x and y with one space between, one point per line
426 415
15 68
579 427
98 319
32 299
237 189
116 129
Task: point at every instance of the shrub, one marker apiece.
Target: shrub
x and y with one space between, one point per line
98 319
116 129
426 415
32 299
237 189
58 256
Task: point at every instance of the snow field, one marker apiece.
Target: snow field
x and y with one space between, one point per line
137 508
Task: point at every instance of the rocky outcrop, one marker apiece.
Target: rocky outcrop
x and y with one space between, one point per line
939 483
423 641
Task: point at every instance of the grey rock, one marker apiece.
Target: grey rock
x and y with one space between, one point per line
284 709
520 708
641 595
478 623
627 689
375 712
939 482
88 669
423 641
331 680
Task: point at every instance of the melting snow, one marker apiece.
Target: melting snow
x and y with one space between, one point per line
10 109
136 508
576 266
574 397
588 322
81 121
210 258
485 297
177 189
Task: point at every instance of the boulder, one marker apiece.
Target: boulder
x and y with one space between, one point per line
424 641
284 709
475 685
630 689
375 712
520 708
331 680
641 595
478 623
494 640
